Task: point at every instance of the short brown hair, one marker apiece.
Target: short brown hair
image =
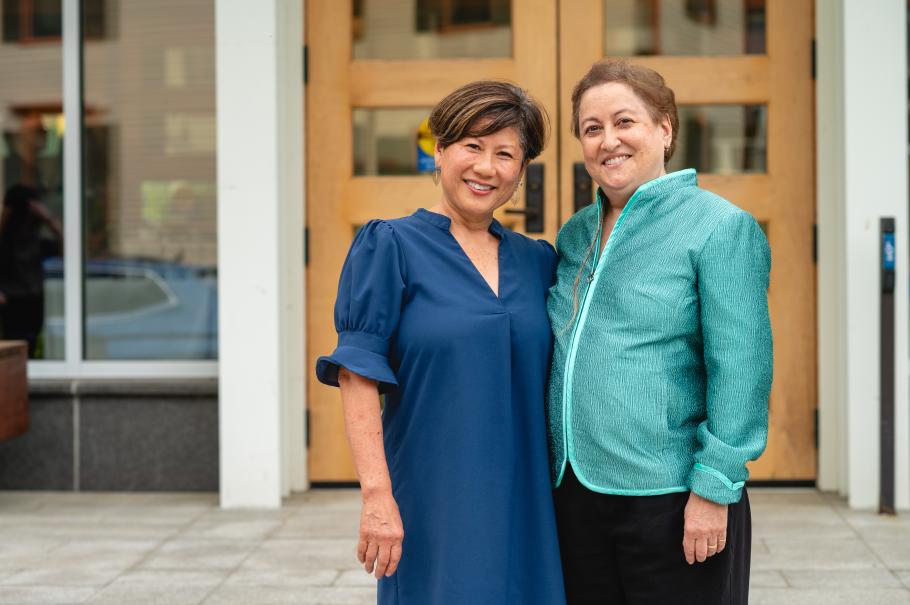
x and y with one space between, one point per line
481 108
647 84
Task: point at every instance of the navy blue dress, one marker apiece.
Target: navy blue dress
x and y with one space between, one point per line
464 374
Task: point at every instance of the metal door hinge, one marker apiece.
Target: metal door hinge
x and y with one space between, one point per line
815 428
306 246
814 243
306 65
814 67
306 428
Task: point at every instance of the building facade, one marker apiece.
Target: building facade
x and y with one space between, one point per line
201 179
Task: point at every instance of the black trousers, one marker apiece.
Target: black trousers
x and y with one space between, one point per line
22 318
627 550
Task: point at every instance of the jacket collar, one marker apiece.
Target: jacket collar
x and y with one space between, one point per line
660 186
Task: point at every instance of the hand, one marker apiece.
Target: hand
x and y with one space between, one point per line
705 531
381 534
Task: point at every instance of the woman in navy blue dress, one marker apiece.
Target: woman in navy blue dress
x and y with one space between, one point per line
444 312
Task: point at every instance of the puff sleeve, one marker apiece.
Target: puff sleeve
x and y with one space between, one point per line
370 294
733 275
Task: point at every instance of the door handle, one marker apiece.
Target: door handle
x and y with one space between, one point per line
581 186
534 203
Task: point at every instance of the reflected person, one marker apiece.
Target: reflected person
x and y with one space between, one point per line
24 246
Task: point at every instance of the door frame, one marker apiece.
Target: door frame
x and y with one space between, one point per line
739 79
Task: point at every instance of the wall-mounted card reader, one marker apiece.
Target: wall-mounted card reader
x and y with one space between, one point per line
888 264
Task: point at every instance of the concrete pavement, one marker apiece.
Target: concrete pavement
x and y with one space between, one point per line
180 549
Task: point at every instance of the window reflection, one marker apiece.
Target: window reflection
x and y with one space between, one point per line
431 29
722 139
392 141
31 178
41 20
150 239
684 27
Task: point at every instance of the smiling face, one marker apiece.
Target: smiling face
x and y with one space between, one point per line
623 146
480 174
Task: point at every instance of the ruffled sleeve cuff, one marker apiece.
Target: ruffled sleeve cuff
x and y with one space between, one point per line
711 484
361 353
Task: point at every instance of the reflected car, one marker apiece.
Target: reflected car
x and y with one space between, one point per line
138 309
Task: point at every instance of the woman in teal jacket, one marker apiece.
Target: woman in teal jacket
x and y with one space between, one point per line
661 369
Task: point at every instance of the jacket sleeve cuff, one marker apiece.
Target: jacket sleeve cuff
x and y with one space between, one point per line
711 484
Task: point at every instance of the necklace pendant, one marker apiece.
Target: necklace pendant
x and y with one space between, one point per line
590 278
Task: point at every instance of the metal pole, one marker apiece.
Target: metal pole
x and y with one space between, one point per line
888 258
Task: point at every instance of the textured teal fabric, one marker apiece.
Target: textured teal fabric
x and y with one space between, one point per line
662 370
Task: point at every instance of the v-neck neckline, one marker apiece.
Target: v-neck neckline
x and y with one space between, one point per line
495 229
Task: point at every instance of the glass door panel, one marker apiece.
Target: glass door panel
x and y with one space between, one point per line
690 27
431 29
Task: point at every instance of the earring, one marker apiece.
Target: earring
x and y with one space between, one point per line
437 172
515 194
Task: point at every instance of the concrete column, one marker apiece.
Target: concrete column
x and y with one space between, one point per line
862 175
260 258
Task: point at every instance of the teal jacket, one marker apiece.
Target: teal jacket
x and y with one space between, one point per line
662 366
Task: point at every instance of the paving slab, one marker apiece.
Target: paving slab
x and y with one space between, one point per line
842 578
310 523
356 577
233 526
314 553
799 596
159 588
815 553
198 554
244 595
904 576
895 553
767 579
44 595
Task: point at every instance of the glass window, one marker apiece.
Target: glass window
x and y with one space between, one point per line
33 20
684 27
721 139
431 29
31 180
150 278
392 141
45 18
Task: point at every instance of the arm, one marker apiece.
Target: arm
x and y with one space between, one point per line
733 273
370 294
381 530
39 210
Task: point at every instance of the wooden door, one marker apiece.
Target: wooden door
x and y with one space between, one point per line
769 77
356 78
364 77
